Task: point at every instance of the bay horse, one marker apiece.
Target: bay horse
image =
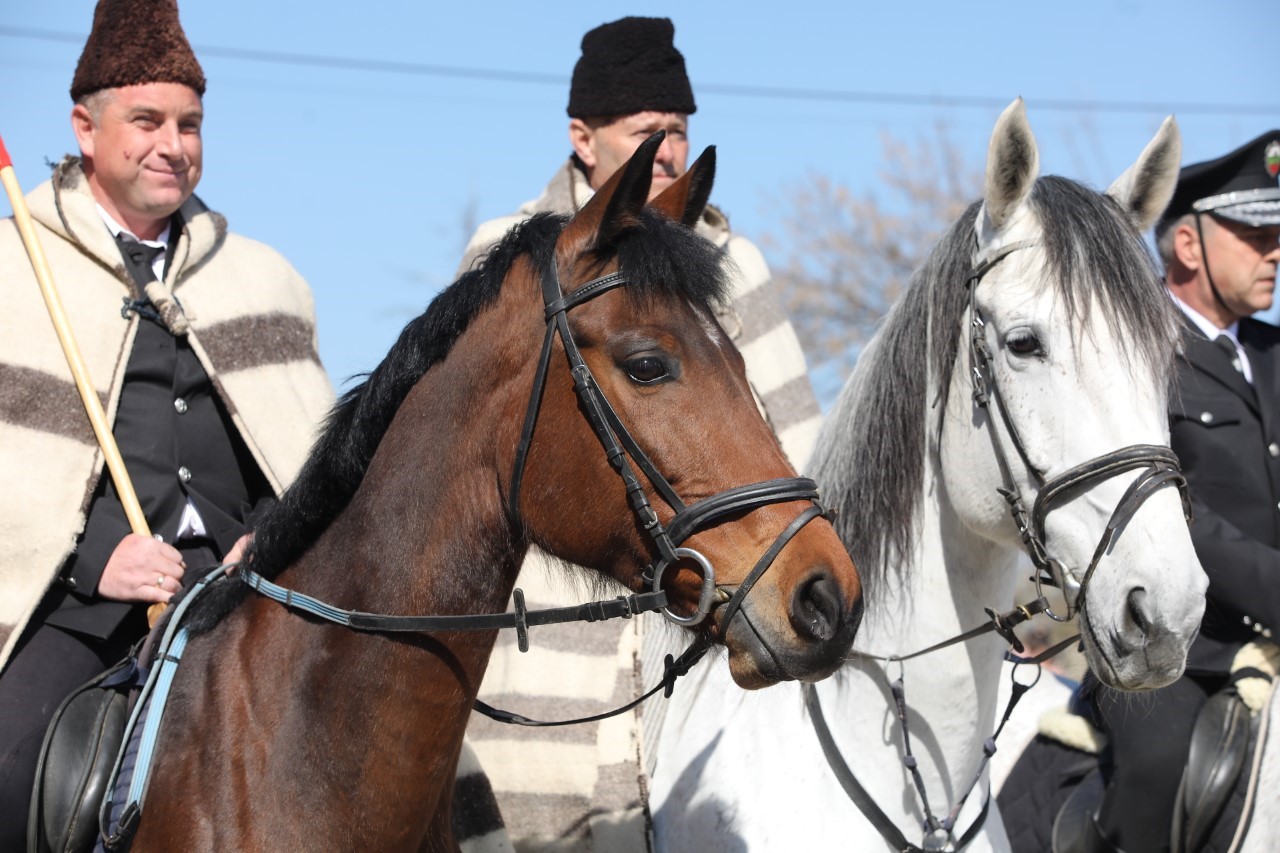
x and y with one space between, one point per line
1027 368
429 482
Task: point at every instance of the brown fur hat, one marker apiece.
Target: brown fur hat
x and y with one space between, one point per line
134 42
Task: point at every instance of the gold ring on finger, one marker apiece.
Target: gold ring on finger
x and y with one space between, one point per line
160 580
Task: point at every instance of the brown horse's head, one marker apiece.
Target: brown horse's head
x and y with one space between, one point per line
679 388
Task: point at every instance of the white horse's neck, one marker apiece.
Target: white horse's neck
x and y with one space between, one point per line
950 693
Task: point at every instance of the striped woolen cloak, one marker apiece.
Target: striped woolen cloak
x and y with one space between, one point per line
251 324
583 788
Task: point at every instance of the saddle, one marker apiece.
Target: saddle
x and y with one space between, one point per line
75 802
76 758
1213 806
1221 743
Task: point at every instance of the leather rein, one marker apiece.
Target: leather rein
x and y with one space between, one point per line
619 446
1160 467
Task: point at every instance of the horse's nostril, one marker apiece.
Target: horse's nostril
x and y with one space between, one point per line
816 608
1140 609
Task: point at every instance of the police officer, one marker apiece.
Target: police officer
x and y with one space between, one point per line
1219 241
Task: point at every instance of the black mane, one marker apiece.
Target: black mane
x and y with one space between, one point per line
662 260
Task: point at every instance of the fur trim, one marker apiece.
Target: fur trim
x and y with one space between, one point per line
1072 730
1263 656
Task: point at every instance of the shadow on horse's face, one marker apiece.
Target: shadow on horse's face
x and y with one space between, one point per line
679 387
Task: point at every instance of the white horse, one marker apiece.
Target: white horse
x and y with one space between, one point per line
1081 339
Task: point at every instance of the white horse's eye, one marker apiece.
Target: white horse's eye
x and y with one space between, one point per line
1023 342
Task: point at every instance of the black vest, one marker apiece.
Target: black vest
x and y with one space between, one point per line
177 442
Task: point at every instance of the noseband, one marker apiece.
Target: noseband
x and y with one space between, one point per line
619 444
1160 467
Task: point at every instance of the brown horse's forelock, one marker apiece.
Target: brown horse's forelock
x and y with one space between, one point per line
661 258
870 456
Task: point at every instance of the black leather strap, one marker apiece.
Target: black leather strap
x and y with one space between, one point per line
672 669
858 794
740 499
521 619
762 565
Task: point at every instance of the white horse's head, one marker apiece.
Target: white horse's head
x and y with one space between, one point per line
1081 340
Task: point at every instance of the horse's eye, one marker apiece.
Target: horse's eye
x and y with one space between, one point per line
646 369
1024 343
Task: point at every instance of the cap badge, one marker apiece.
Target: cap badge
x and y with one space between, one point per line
1273 158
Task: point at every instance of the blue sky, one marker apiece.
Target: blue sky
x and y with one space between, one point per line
365 179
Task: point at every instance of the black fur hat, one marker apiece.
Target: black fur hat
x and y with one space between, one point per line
630 66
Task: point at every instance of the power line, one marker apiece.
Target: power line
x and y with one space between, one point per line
845 96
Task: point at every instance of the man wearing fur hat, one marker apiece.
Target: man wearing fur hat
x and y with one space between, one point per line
629 82
202 346
1220 244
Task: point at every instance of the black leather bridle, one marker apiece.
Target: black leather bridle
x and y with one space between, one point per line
1160 467
619 444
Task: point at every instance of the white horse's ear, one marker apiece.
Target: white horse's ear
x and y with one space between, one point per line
1013 163
1145 188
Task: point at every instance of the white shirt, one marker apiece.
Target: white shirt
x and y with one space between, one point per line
191 524
1211 331
161 242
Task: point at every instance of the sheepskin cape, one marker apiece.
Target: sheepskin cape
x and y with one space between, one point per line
250 320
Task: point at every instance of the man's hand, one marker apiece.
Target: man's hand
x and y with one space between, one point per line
142 569
236 554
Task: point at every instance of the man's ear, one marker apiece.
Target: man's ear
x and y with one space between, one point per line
580 137
82 127
1186 246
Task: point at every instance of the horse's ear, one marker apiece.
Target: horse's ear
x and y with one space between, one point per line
1013 163
1145 188
615 207
687 197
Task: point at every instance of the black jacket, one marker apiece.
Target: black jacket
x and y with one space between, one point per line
178 444
1227 435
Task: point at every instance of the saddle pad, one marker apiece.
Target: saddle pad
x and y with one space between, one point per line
120 793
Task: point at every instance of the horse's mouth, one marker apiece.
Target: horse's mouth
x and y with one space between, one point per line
752 662
1111 674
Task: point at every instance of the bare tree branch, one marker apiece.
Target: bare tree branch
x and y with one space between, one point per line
848 256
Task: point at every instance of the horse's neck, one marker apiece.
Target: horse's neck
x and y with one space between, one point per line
425 534
950 693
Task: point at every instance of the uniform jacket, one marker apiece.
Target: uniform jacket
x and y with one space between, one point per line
1227 435
590 788
246 316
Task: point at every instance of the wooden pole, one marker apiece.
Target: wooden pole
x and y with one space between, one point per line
79 371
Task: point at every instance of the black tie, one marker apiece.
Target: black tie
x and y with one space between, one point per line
143 257
156 303
1228 346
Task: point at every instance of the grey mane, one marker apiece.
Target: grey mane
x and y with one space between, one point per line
871 453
